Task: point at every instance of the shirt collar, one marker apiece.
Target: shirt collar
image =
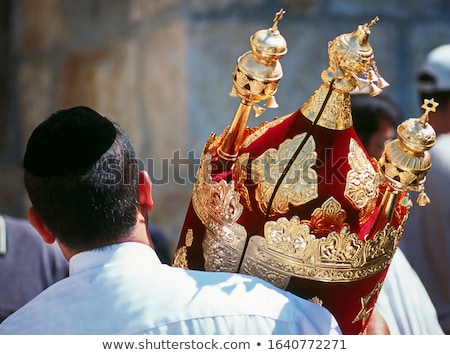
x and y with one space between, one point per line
133 252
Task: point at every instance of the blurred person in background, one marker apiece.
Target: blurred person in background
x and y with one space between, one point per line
27 265
160 242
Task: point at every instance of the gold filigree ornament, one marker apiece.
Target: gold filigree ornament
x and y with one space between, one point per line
330 217
362 182
316 300
290 249
351 66
180 258
406 160
218 207
300 184
255 79
240 173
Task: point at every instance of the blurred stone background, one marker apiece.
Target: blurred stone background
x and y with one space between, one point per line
162 70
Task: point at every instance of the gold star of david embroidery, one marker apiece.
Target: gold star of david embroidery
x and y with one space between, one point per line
364 313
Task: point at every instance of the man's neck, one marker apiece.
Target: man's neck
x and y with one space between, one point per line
139 234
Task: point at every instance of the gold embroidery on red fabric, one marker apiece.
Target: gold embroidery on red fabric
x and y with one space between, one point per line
299 185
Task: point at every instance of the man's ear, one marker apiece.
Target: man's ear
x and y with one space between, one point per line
145 191
39 225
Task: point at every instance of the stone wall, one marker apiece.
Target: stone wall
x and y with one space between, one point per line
162 69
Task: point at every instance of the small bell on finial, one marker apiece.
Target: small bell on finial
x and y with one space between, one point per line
374 90
233 92
271 102
258 110
381 83
362 83
372 76
422 198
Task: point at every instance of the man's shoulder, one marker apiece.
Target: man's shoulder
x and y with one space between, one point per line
248 288
30 317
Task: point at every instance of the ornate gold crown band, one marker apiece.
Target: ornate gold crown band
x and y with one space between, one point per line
289 247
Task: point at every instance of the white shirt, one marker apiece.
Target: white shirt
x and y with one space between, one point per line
124 289
404 303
